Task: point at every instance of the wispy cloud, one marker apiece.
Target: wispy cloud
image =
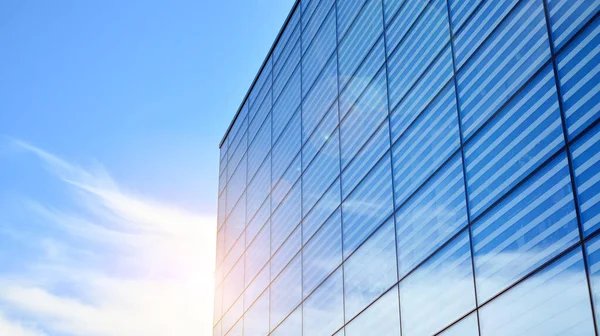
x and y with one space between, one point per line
138 267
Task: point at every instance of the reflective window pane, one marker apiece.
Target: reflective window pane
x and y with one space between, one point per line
256 319
436 213
440 291
371 270
381 318
323 310
466 327
534 223
579 73
323 253
286 292
554 301
586 163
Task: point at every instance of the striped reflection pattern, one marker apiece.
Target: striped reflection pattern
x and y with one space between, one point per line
416 167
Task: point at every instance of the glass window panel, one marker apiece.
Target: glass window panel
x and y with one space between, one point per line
236 186
322 254
285 183
258 254
259 148
346 14
218 305
320 136
361 37
287 37
323 311
258 221
286 292
262 112
567 17
401 23
223 158
238 329
356 83
287 45
235 224
232 316
262 85
425 97
313 21
321 173
222 209
233 285
381 318
371 270
435 213
460 10
586 163
534 223
257 287
234 255
256 319
440 291
286 105
290 67
236 158
238 130
368 205
592 248
430 141
466 327
554 301
512 54
320 99
418 50
365 159
485 20
321 211
319 52
364 118
579 72
222 181
287 147
286 252
292 326
220 245
523 135
286 217
259 188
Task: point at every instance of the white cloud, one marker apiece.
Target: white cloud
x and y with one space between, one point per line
11 328
170 253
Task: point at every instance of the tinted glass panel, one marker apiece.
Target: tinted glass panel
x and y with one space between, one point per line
586 163
381 318
323 311
554 301
579 72
530 226
371 270
440 291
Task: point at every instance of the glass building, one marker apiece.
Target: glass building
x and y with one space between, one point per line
418 168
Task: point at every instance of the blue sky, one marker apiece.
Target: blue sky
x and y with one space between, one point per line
110 117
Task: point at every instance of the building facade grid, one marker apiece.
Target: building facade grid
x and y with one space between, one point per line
417 168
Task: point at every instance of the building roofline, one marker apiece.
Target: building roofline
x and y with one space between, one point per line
264 63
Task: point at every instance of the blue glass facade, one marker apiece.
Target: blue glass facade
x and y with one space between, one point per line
419 168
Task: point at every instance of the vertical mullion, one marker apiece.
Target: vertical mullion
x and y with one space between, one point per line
337 76
569 159
389 119
464 166
301 307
